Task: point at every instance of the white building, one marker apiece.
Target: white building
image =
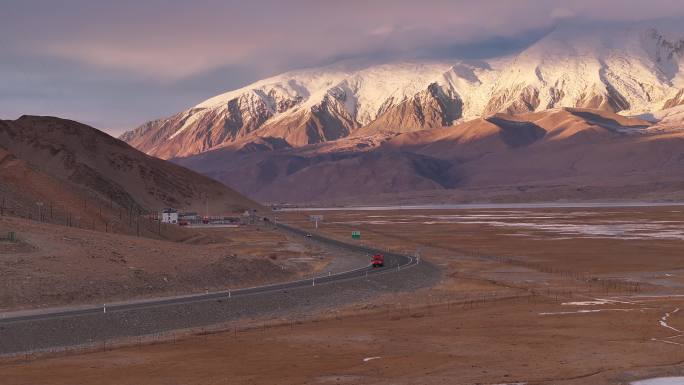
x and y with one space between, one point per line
169 216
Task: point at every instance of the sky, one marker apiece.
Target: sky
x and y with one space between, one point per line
117 64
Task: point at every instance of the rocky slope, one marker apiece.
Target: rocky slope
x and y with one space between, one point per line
64 163
562 148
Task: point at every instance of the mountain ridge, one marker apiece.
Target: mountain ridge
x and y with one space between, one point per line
632 70
563 147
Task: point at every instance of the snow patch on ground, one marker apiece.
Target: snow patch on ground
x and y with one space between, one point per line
597 302
587 311
512 383
663 321
567 225
189 121
586 303
660 381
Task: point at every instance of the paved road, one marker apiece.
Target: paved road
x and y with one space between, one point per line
393 263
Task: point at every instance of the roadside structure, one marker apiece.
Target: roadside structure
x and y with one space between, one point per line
169 215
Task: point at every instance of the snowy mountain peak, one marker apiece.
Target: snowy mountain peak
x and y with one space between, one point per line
631 69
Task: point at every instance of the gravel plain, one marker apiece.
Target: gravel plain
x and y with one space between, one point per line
47 334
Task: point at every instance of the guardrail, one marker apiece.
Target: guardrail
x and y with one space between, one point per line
107 323
401 261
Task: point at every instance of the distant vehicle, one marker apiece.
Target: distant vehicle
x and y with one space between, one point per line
182 223
378 260
309 235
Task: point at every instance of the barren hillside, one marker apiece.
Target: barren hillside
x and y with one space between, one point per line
55 265
51 165
560 150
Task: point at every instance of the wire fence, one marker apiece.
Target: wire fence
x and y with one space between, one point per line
607 285
91 214
439 303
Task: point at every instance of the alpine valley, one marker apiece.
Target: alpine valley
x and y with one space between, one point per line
585 112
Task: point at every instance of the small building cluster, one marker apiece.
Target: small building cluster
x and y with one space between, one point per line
190 218
173 216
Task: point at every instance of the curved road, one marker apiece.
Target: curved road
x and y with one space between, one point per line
393 262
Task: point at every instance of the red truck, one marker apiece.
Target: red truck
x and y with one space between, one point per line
378 260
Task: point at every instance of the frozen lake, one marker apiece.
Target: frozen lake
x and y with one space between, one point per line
467 206
583 222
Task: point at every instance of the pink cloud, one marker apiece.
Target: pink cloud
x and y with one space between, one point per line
173 39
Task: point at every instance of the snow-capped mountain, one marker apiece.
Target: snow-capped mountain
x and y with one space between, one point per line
631 70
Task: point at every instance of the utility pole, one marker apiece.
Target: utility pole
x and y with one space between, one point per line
40 211
316 219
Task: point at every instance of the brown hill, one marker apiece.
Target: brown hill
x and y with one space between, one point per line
571 145
566 148
88 176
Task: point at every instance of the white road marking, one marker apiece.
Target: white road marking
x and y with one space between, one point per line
370 358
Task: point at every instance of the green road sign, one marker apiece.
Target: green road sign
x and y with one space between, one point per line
356 235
